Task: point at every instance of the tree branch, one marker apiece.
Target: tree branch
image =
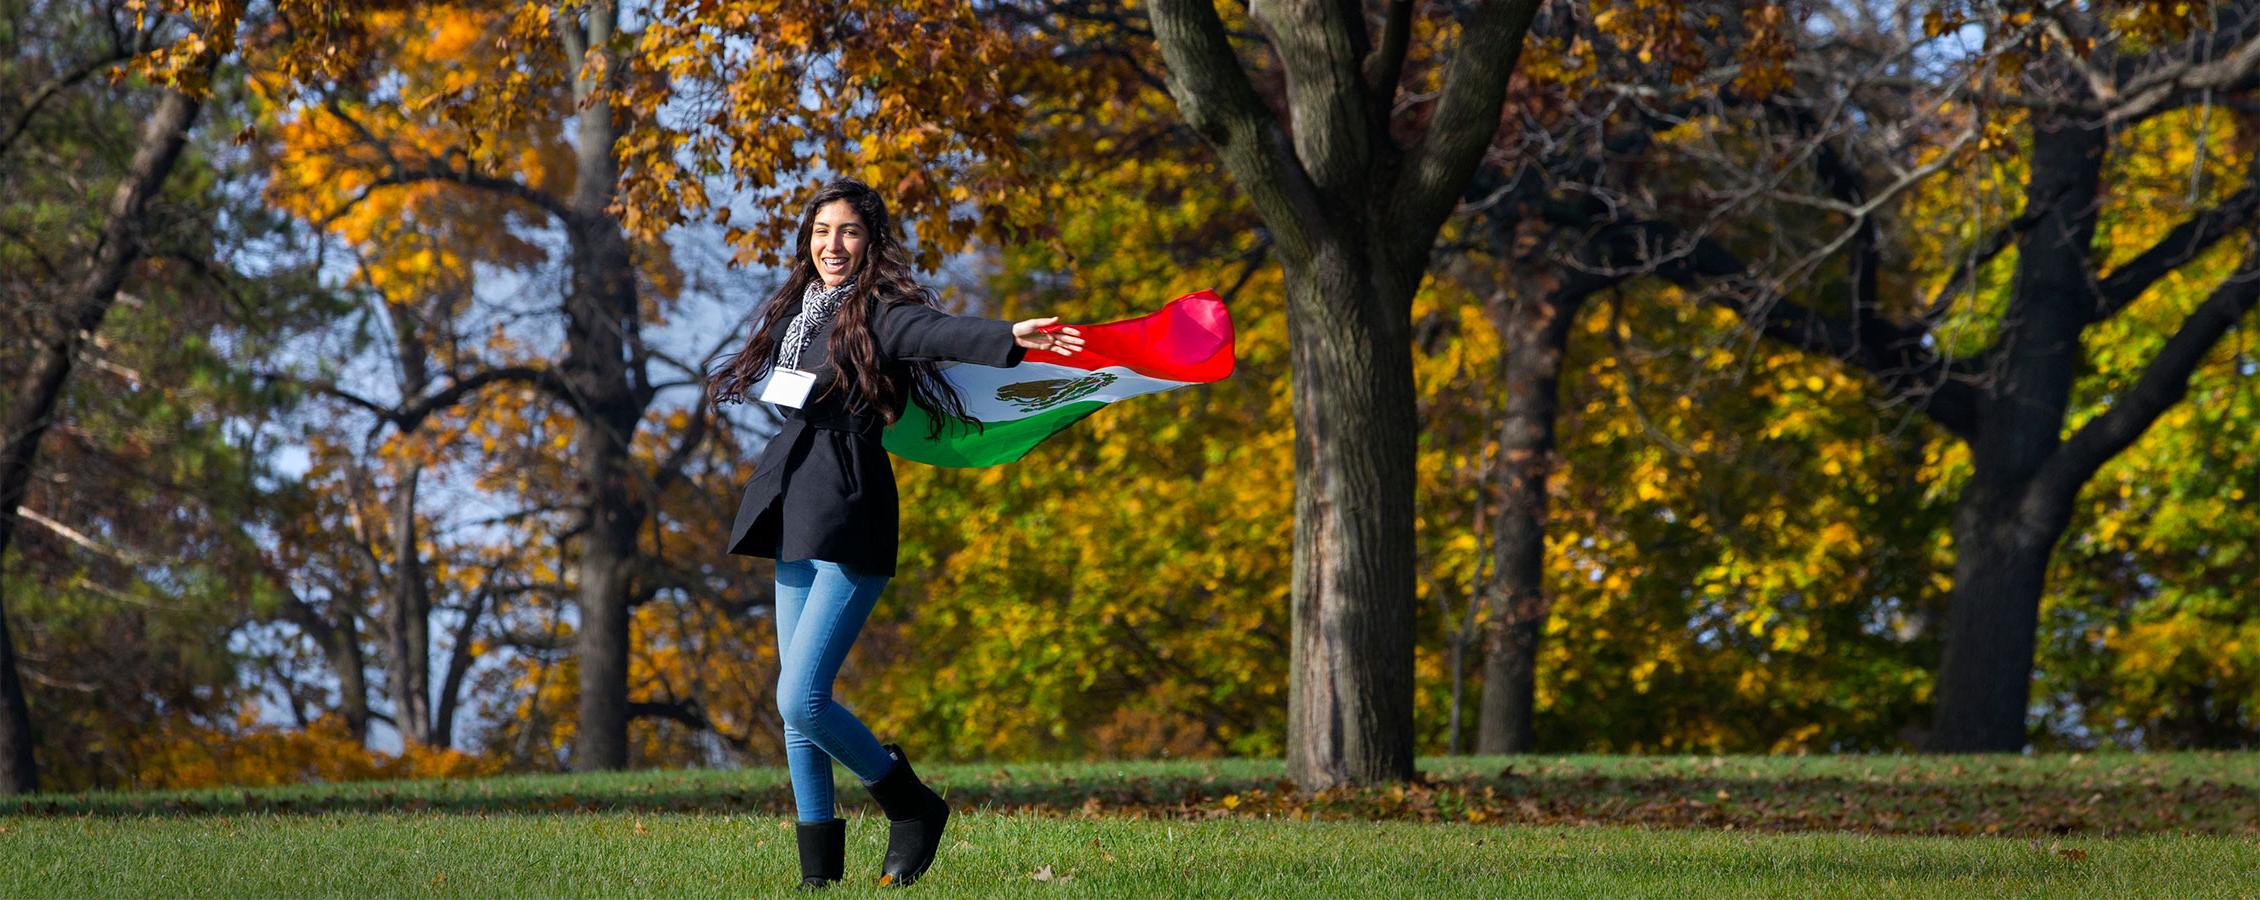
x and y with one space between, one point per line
687 712
2162 88
507 187
1320 43
399 173
1903 368
1221 105
1965 270
2163 383
410 415
671 469
126 555
1386 65
459 660
2186 242
48 90
1467 116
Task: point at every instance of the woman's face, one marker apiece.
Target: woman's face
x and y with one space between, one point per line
835 241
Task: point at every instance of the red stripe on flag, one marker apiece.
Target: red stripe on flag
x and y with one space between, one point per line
1189 339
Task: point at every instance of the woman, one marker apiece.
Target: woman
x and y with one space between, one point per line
846 342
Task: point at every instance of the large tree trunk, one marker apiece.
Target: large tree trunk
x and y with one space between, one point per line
352 677
1984 678
410 627
40 392
1354 215
1351 663
19 771
1537 337
601 315
2000 569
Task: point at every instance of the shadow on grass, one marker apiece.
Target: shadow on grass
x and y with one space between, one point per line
1778 804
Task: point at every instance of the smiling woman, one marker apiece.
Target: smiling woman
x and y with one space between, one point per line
847 344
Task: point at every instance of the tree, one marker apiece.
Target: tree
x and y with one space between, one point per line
2074 83
1553 232
603 376
1353 214
76 315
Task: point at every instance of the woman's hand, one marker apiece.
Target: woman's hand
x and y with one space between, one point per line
1031 334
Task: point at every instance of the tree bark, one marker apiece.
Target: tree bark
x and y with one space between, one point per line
40 392
409 625
352 677
1351 658
1537 337
2000 572
601 322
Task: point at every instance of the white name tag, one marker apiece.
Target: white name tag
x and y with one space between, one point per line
788 387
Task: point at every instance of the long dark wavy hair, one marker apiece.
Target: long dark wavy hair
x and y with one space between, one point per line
884 271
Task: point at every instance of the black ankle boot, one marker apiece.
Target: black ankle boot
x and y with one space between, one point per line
915 815
823 853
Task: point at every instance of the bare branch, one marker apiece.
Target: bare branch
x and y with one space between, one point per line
687 712
507 187
126 555
2166 86
1965 269
410 415
403 173
1902 365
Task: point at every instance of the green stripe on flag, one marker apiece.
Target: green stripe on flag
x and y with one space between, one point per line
960 446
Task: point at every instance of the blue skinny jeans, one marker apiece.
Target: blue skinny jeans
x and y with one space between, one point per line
821 608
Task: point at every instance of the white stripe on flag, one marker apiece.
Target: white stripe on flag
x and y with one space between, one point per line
1001 395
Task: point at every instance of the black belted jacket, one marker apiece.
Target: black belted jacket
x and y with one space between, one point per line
824 488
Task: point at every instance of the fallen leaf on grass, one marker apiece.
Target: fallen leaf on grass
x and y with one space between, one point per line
1045 874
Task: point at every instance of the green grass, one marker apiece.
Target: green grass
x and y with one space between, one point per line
1211 828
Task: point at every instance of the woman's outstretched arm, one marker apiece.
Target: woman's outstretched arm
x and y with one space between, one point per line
915 331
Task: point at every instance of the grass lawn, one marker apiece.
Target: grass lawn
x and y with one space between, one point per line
2158 825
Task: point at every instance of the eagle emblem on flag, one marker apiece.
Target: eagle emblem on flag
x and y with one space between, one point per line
1031 396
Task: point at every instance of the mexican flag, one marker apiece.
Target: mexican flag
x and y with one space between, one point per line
1189 341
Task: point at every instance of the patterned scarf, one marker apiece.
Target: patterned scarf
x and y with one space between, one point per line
816 307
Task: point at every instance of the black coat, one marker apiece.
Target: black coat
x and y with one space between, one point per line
824 487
